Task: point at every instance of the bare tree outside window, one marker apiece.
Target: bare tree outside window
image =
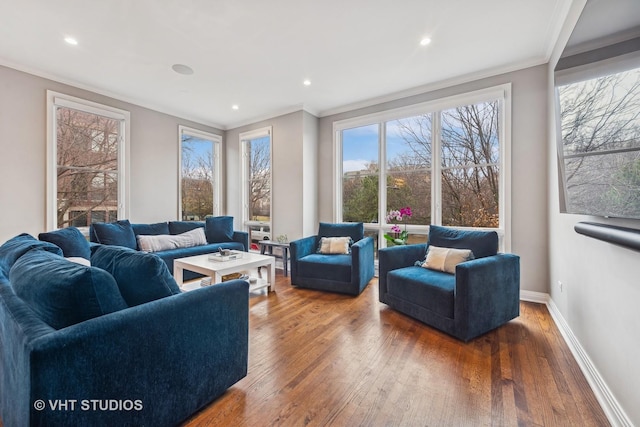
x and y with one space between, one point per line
260 179
600 126
87 167
197 180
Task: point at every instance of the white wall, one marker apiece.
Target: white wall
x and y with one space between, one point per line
600 293
153 147
528 157
293 174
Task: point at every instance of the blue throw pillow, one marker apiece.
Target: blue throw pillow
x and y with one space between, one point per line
62 292
219 229
14 248
70 240
155 229
141 276
179 227
481 243
119 233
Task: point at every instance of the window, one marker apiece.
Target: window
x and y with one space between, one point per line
199 174
86 158
443 159
256 170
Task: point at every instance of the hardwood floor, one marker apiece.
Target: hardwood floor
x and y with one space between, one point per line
320 359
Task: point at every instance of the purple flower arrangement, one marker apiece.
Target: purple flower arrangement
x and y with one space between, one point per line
398 236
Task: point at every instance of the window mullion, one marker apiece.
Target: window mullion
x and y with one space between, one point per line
382 179
436 169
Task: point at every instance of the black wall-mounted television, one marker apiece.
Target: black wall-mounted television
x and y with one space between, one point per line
598 135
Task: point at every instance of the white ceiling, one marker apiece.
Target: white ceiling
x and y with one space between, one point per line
256 53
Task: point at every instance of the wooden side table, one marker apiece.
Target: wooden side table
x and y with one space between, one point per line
266 246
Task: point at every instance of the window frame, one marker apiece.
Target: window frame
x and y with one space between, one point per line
216 163
56 100
500 93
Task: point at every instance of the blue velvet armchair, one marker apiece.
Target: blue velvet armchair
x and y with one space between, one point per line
484 293
347 273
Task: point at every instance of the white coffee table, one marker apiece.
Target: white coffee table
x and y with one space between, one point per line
216 269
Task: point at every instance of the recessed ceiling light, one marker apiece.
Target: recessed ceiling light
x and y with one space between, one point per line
306 82
425 41
71 41
235 107
182 69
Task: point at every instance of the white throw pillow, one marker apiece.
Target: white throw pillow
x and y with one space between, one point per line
334 245
163 242
446 259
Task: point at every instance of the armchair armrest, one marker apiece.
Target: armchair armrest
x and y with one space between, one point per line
487 293
242 237
362 265
397 257
299 249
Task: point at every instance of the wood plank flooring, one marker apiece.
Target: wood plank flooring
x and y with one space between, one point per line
319 359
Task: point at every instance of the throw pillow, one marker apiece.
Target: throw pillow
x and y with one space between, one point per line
335 245
61 292
119 233
70 240
14 248
219 229
141 276
163 242
446 259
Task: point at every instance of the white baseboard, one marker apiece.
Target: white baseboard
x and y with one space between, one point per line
612 409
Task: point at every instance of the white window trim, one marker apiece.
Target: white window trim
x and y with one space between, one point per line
56 99
217 173
502 93
244 205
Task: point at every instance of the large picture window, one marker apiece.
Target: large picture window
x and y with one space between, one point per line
445 160
199 174
86 143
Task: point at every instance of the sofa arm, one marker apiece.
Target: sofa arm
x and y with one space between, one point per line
242 237
173 355
362 264
487 293
396 257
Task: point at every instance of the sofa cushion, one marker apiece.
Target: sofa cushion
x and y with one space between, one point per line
179 227
355 230
329 267
219 229
481 243
446 259
433 290
61 292
70 240
119 233
163 242
151 229
17 246
141 276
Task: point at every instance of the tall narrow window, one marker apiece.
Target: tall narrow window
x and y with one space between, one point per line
199 174
360 178
256 156
86 182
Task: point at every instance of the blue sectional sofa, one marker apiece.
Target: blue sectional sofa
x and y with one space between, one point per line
218 231
80 346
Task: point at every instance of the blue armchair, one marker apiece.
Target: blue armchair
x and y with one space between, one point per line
483 294
344 273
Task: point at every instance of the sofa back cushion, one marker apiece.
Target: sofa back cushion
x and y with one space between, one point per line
179 227
219 229
481 243
119 233
355 230
70 240
154 229
141 276
63 293
14 248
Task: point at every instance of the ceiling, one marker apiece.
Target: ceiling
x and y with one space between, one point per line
256 53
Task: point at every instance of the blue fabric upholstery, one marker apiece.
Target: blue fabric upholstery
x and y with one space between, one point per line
137 353
141 277
347 274
179 227
70 240
219 229
119 233
14 248
154 229
483 294
62 292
